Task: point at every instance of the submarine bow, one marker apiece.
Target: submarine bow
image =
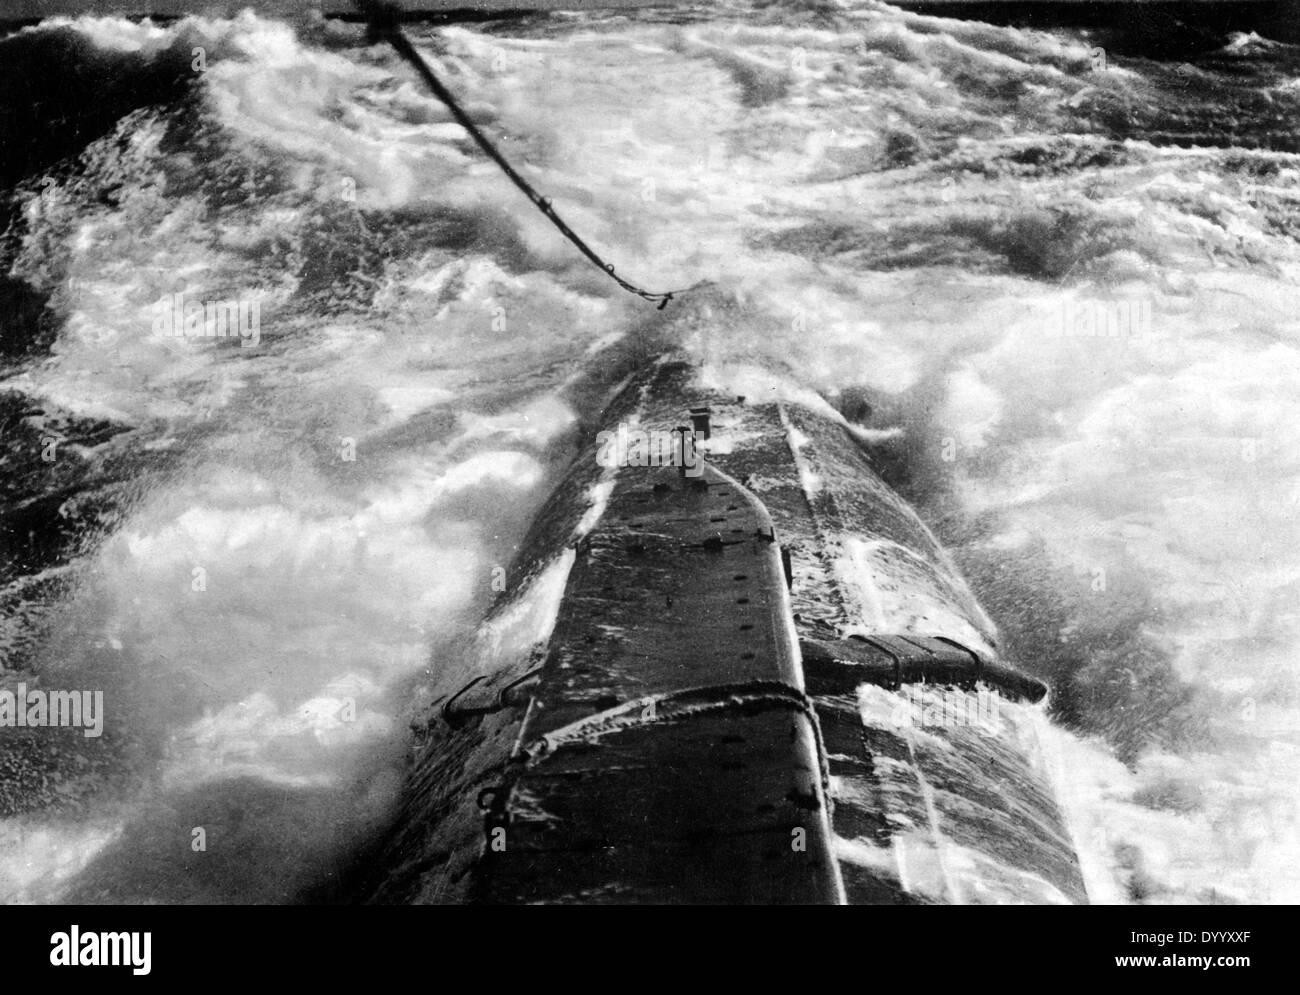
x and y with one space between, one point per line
745 673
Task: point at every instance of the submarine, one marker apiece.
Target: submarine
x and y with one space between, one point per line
738 669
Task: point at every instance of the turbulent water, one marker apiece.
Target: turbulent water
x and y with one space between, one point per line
1062 273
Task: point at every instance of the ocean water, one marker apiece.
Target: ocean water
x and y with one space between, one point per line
1060 272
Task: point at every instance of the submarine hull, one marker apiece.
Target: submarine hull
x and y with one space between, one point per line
736 670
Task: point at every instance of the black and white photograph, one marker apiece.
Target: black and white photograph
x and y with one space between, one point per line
718 452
